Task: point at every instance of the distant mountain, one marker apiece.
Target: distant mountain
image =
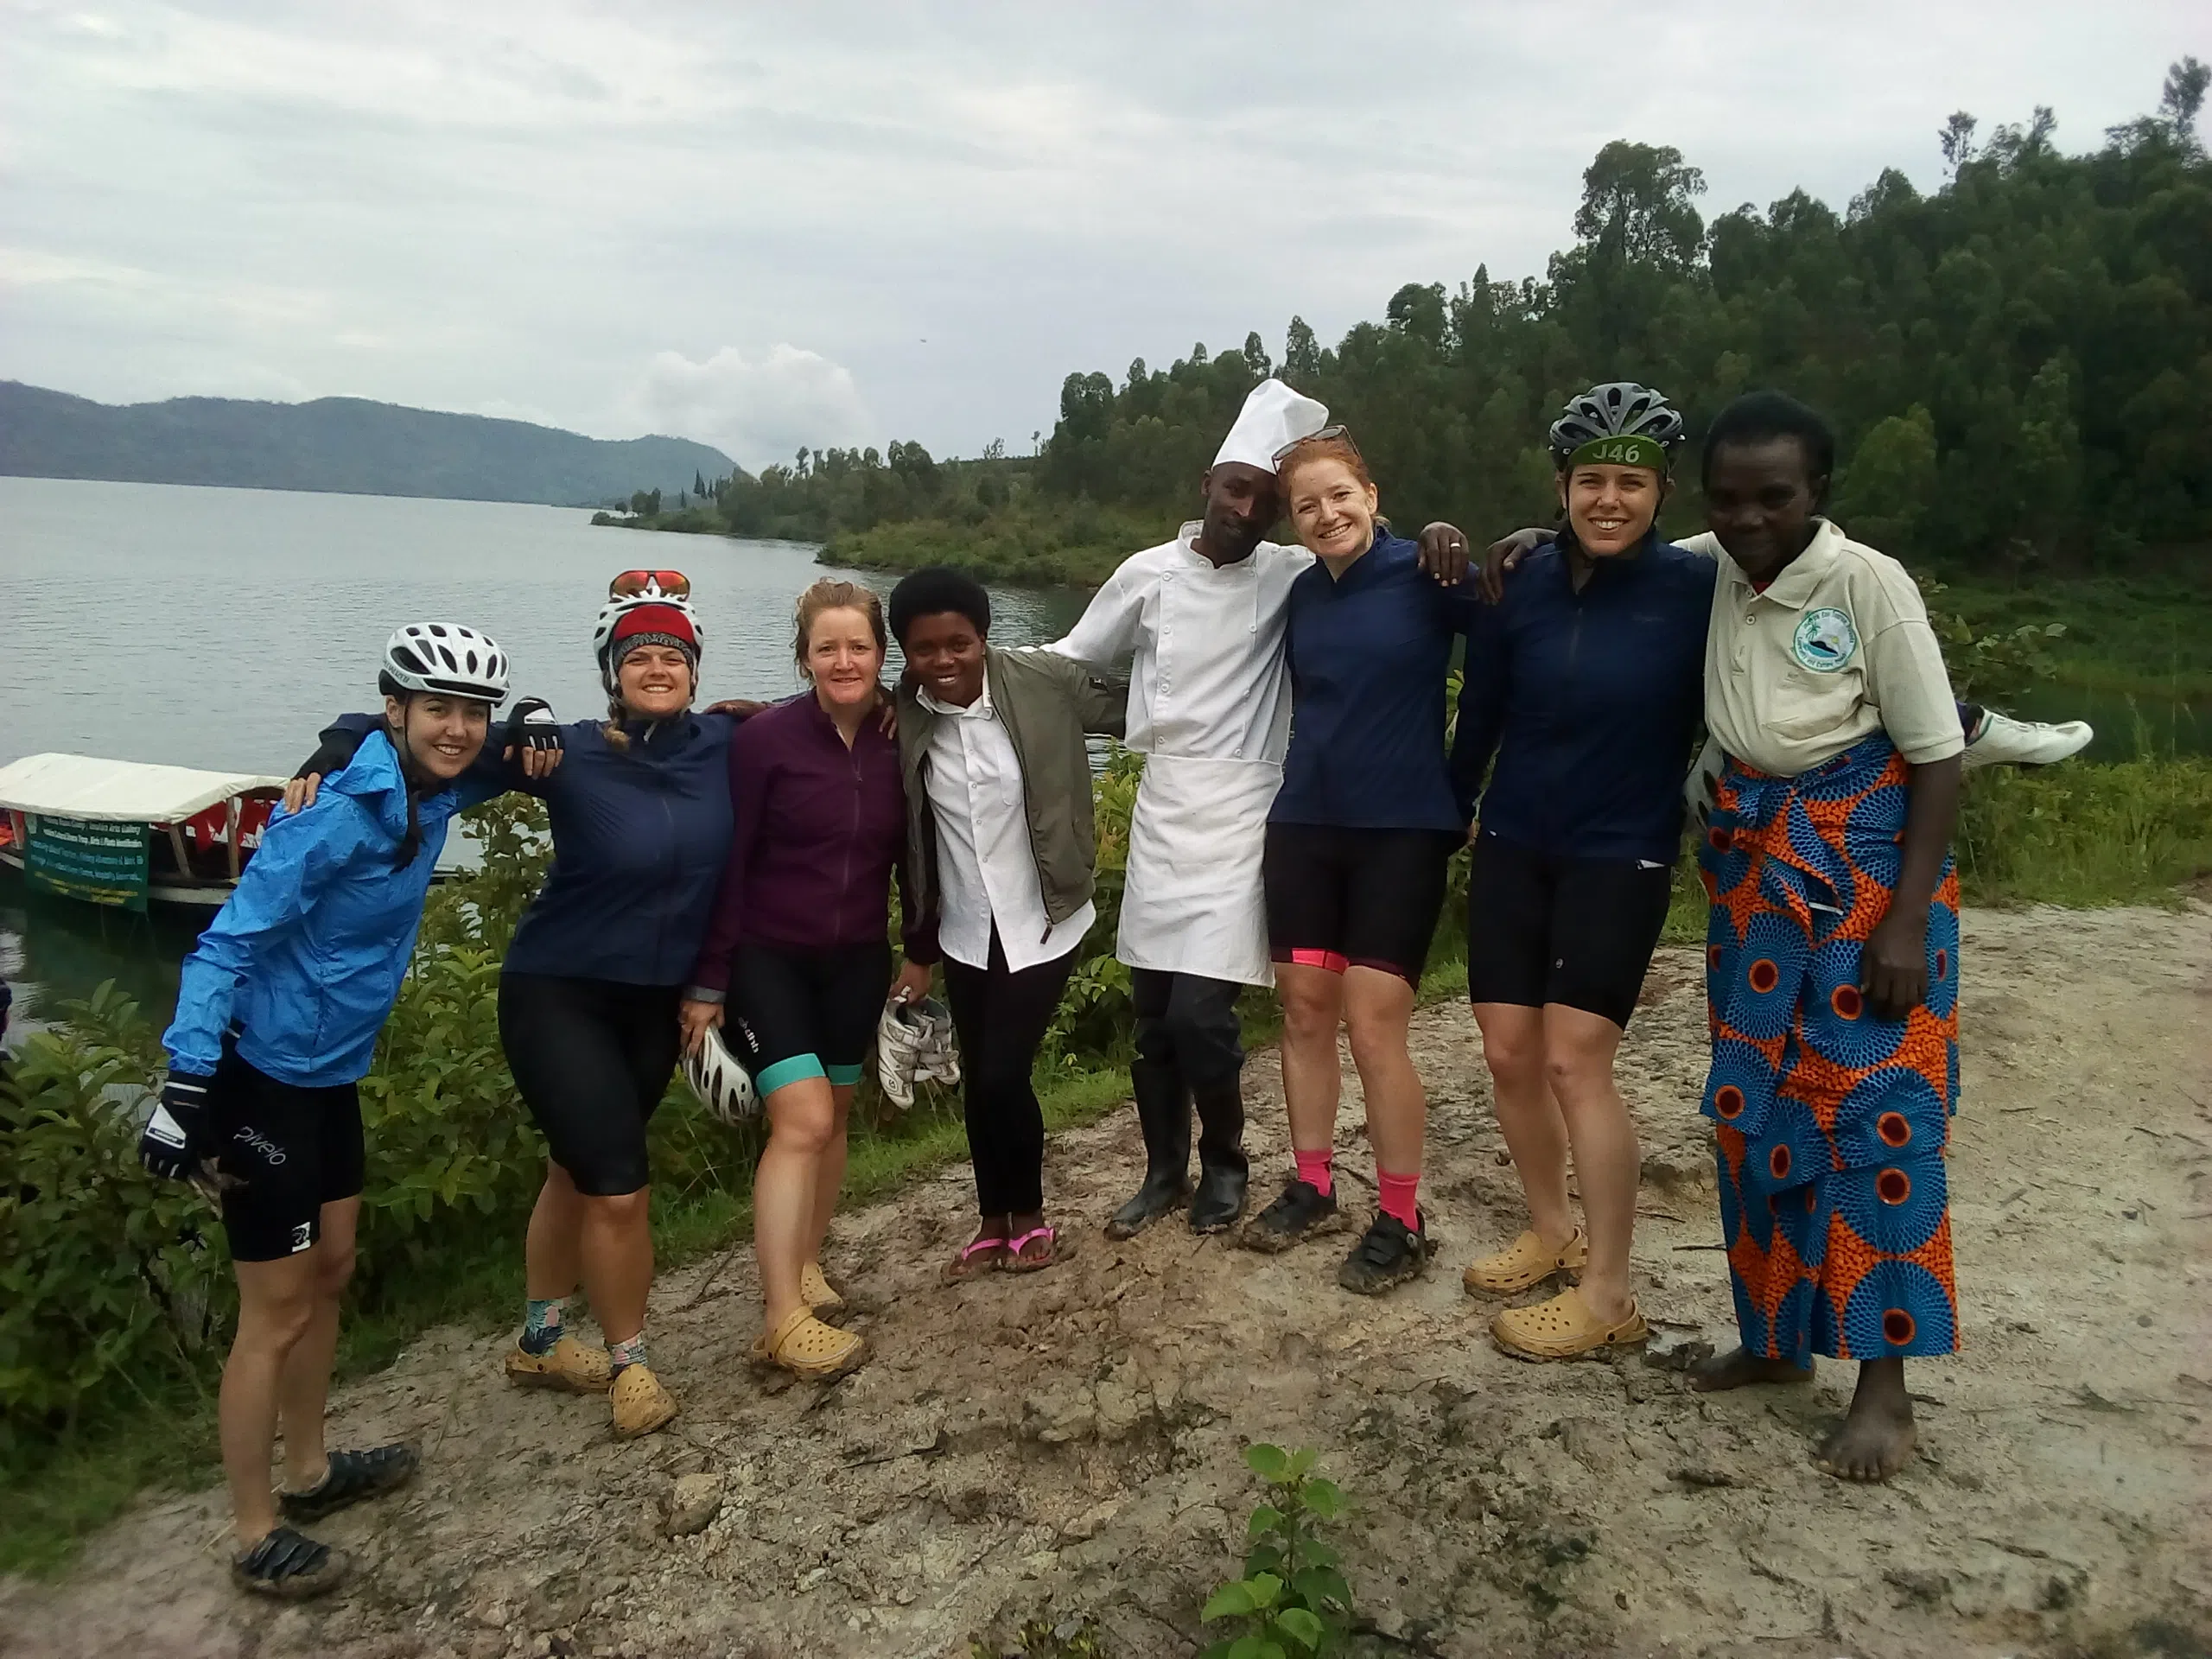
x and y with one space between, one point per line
345 444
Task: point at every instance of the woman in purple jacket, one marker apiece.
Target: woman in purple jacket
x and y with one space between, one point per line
798 955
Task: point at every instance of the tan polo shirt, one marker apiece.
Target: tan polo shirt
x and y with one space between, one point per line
1837 648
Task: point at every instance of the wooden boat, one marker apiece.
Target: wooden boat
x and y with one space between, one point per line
125 832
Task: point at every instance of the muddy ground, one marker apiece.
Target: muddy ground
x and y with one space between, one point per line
1068 1443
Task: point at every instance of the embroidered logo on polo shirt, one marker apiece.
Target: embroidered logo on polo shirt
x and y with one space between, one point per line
1825 641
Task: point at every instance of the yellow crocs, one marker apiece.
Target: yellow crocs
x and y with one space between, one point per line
1524 1263
641 1405
569 1364
809 1349
1562 1328
814 1287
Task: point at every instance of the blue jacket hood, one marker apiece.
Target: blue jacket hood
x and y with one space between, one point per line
303 964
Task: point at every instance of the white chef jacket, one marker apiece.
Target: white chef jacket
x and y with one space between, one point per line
1208 677
986 869
1210 707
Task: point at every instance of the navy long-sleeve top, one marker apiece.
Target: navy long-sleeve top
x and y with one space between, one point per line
1368 653
1590 701
640 834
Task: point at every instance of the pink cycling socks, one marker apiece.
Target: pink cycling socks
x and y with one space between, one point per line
1314 1168
1398 1197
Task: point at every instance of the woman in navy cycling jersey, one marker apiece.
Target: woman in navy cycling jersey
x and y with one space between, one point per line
1586 683
277 1014
1357 842
588 993
796 962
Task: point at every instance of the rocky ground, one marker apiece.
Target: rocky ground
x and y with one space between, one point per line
1068 1445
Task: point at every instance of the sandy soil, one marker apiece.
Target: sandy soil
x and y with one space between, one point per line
1069 1443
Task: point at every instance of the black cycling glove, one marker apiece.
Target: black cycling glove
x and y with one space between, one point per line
530 726
169 1146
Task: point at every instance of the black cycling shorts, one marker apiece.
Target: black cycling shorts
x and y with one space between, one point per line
1340 899
1578 932
592 1058
293 1150
796 1014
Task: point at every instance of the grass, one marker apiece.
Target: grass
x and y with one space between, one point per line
2132 833
2143 637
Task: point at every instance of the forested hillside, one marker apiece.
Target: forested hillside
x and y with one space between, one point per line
333 444
2019 367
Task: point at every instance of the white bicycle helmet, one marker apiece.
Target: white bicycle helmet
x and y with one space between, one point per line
724 1087
914 1044
620 606
446 658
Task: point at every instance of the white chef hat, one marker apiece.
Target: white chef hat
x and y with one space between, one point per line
1274 417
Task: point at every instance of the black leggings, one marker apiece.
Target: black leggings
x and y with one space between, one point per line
593 1059
1000 1017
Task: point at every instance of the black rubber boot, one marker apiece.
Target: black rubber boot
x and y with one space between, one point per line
1222 1172
1164 1112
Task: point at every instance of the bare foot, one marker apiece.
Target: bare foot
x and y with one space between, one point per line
1877 1437
1736 1369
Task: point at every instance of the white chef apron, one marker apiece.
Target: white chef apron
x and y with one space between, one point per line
1192 902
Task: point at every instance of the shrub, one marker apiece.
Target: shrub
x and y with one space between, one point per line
109 1278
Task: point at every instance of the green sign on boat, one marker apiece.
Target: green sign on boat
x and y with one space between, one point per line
84 858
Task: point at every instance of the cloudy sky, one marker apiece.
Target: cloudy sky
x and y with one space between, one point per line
828 224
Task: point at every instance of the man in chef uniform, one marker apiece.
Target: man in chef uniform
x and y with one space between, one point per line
1203 617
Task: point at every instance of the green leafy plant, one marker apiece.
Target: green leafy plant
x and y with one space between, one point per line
1293 1598
1989 666
109 1279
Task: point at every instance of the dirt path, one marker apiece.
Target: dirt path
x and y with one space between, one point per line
1069 1443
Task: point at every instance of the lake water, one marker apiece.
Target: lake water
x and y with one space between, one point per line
222 628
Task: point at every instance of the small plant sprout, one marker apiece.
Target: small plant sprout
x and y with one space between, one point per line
1292 1599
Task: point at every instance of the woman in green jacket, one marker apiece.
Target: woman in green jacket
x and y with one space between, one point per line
1002 852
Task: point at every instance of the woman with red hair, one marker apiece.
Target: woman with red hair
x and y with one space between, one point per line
1357 842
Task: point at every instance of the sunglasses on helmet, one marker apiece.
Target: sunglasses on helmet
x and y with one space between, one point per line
665 584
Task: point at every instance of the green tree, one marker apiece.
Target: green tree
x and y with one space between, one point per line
2047 463
1886 489
1639 206
1957 141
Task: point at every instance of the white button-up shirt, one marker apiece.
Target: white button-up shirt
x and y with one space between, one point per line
986 868
1207 679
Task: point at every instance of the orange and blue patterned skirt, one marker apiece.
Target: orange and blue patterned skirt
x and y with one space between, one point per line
1832 1123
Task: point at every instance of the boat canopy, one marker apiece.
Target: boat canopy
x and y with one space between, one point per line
119 791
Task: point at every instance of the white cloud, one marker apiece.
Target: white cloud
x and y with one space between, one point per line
755 410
